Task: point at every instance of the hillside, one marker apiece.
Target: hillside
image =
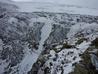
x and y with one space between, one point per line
47 42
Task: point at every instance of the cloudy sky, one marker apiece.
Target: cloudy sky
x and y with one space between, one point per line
88 3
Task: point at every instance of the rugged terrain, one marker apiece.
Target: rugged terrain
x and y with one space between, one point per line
47 43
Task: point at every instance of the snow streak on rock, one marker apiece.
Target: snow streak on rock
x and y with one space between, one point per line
45 32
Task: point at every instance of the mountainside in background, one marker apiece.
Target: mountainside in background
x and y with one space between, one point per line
55 8
47 43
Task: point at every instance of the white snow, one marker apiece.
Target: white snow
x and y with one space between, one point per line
82 27
83 46
88 30
69 60
11 20
69 56
26 64
45 32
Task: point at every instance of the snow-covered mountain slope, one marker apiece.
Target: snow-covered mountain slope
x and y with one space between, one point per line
61 57
61 62
43 42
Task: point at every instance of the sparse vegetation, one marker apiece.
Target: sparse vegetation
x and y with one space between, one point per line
79 70
85 66
55 49
80 41
65 45
95 43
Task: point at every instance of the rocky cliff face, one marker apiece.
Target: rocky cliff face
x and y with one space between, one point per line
42 42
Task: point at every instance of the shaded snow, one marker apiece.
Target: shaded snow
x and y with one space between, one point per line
26 64
1 44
